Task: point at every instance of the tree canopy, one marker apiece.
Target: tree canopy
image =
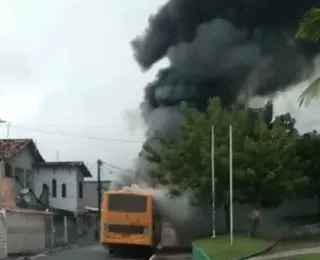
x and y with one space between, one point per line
266 166
308 149
310 30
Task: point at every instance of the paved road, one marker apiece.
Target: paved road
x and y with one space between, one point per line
95 252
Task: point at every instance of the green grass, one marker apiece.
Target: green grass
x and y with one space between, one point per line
304 257
220 248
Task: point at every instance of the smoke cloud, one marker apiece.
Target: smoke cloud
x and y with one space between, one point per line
232 49
213 46
176 211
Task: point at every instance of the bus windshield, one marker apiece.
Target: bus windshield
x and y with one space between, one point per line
127 203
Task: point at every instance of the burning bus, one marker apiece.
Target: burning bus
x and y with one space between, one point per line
130 221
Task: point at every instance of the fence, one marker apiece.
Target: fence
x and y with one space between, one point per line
65 230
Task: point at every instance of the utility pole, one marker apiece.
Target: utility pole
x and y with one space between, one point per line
213 184
99 188
231 183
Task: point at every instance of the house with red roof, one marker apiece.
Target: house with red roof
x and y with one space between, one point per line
17 157
31 182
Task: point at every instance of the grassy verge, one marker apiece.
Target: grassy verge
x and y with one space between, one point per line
304 257
220 248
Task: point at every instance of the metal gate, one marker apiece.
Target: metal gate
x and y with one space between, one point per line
48 232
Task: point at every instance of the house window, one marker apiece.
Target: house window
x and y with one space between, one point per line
8 170
64 190
80 190
54 188
29 179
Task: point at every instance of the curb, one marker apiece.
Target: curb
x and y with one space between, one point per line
53 250
46 252
152 257
260 252
199 250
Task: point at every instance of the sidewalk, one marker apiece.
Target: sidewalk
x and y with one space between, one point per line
33 255
288 253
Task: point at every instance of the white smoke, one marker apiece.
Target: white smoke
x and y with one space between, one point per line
177 211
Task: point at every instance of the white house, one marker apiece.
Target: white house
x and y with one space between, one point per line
18 156
21 229
65 182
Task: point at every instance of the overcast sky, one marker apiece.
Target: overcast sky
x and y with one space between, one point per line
66 71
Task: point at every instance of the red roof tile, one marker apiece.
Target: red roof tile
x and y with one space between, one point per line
12 147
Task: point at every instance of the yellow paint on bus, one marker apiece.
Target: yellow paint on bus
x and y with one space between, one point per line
129 220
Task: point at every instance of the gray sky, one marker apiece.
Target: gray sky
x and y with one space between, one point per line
66 70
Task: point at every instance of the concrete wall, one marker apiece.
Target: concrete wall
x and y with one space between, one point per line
3 236
273 223
68 175
26 231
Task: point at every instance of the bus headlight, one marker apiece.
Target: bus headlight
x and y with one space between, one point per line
145 231
106 228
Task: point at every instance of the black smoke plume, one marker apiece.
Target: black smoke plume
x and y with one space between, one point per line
225 48
233 49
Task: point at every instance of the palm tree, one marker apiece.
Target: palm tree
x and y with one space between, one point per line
310 30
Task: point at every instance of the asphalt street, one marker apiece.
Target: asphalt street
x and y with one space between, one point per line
94 252
97 252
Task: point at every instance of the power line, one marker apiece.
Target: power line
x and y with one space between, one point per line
113 166
93 137
63 126
90 168
107 171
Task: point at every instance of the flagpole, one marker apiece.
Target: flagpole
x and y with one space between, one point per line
231 184
213 183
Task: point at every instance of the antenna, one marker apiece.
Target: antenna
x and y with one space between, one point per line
8 130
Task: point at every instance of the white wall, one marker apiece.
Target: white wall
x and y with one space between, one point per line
68 175
25 232
22 160
3 237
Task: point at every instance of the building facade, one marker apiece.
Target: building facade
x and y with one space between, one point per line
91 191
18 157
66 184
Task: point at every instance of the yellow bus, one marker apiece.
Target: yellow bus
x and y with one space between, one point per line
130 222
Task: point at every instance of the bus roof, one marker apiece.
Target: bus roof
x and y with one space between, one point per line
129 192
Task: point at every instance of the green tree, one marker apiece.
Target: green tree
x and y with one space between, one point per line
310 30
308 149
265 165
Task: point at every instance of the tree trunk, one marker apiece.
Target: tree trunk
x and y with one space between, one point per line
227 216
